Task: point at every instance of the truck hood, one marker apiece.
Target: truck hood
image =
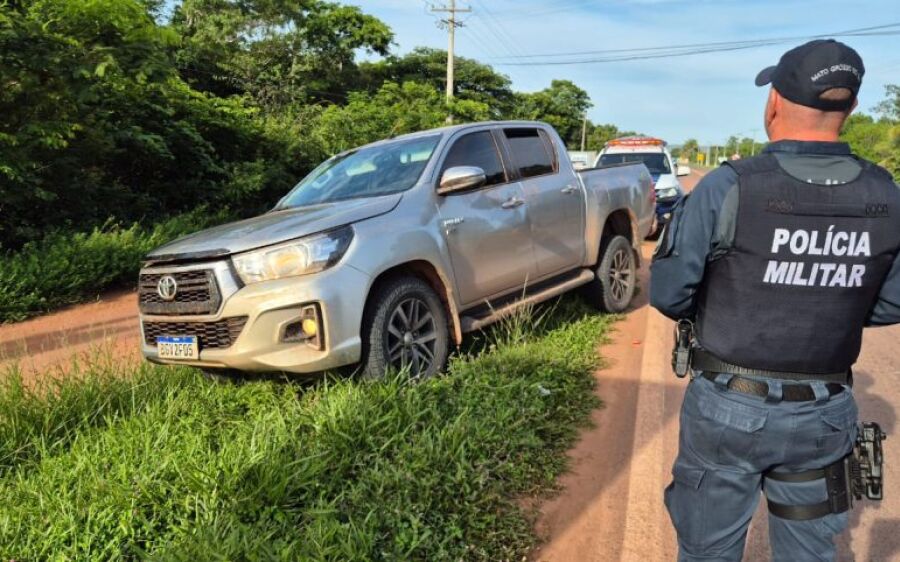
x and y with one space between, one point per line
665 181
272 228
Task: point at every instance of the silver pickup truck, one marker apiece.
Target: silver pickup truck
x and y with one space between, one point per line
385 255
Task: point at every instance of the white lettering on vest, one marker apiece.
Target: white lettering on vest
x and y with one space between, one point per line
775 272
803 242
782 235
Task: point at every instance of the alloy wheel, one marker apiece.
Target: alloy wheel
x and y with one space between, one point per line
621 277
411 337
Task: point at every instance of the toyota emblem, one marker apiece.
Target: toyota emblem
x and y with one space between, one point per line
167 288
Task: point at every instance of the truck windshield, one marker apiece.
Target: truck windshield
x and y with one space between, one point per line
656 162
367 172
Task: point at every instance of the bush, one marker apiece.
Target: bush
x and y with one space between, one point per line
164 465
65 268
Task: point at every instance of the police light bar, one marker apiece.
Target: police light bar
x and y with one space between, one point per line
636 141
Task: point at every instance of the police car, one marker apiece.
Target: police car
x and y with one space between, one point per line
655 155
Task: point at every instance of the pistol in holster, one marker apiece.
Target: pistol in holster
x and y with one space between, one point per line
865 465
684 348
858 475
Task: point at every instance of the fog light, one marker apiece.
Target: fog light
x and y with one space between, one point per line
310 327
306 329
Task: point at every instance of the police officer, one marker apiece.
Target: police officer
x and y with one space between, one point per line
779 261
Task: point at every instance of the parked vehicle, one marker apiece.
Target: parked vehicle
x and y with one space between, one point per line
385 255
582 159
655 154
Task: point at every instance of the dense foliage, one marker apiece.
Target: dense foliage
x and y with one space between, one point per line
116 113
159 464
878 138
111 111
64 268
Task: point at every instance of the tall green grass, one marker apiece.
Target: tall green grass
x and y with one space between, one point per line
65 268
164 465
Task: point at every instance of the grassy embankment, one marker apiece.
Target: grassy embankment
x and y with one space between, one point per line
66 268
147 462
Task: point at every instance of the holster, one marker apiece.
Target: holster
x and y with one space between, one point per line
852 477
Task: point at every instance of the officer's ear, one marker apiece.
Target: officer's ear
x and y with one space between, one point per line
773 108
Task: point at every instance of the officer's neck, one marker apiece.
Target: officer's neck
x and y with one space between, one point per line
812 136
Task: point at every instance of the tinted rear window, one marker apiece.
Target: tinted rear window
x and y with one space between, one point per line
656 162
530 152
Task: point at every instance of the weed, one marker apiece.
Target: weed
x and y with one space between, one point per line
161 464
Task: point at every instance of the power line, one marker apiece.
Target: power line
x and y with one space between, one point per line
714 44
621 55
577 5
502 34
452 23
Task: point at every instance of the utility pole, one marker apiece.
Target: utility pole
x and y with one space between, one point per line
452 23
584 133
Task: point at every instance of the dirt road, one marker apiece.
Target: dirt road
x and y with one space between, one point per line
610 508
611 505
47 343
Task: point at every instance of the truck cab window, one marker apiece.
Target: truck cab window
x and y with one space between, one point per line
530 152
477 149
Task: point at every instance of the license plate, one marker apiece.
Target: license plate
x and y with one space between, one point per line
182 347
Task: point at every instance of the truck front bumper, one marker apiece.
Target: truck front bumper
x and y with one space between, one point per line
266 310
664 208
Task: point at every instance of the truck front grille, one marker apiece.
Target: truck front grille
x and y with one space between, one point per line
210 335
196 293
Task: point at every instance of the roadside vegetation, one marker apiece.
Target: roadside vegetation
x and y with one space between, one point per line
65 268
132 112
132 462
873 135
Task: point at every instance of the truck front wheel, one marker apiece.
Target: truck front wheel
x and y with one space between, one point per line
616 280
404 330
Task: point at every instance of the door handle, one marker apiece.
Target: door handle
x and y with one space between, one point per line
569 189
512 203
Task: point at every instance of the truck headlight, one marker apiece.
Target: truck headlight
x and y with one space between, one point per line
667 192
297 257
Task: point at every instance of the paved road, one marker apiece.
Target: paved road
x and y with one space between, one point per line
611 507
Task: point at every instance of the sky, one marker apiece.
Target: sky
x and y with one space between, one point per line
707 96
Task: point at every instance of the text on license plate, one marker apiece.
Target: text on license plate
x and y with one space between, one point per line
181 347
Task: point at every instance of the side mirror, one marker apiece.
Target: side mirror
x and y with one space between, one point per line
461 178
683 170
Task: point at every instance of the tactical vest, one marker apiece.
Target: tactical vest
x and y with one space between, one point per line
805 270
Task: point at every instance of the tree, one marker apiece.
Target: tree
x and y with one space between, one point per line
562 105
689 149
394 110
474 81
97 124
878 140
278 51
890 108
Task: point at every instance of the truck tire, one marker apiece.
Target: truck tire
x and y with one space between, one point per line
404 329
614 286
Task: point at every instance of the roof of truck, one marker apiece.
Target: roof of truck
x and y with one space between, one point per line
635 144
454 128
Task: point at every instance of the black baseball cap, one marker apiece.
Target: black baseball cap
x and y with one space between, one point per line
806 72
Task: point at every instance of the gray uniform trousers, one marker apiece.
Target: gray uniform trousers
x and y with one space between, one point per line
727 440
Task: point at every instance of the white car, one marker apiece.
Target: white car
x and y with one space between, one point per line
655 154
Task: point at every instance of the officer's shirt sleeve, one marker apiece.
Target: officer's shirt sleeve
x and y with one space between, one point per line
695 235
887 308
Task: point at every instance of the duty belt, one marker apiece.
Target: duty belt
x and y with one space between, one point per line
702 360
789 392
